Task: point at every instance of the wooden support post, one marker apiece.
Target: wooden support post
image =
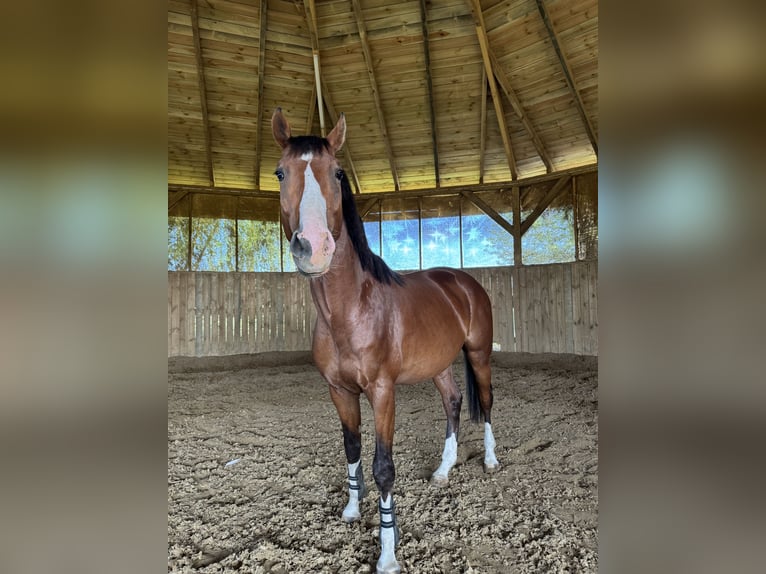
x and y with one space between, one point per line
517 226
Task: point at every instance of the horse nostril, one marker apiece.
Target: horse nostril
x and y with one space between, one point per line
300 247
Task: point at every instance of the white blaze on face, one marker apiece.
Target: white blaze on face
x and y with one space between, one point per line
313 217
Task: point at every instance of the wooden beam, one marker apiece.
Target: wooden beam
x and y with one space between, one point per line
368 206
374 87
502 79
436 192
489 210
483 129
568 75
516 194
179 196
261 77
552 194
202 91
481 34
346 146
429 85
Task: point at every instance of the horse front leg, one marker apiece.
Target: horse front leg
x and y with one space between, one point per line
383 406
347 405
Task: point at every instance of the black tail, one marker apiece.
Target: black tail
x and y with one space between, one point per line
470 389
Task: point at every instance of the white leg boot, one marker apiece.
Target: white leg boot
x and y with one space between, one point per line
389 538
490 460
356 492
440 476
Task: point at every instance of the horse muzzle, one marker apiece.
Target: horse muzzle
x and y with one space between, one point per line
312 251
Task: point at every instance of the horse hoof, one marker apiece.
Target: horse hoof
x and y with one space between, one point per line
350 517
388 568
491 468
439 481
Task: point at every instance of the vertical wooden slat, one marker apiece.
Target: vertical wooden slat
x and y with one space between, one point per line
190 340
594 304
559 305
199 328
175 327
577 307
568 319
237 348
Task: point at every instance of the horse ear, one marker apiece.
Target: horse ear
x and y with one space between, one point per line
338 134
280 128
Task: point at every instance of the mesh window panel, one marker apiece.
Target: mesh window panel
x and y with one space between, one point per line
400 233
587 216
440 228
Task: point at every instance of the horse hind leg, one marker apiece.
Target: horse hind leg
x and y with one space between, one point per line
479 391
452 400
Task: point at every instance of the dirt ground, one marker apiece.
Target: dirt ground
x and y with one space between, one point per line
257 475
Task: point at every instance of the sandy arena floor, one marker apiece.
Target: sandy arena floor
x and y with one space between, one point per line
277 508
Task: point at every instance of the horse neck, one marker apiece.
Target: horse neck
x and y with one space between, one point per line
338 291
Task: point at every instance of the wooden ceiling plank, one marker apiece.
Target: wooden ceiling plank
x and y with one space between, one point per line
261 79
430 87
568 75
481 34
374 87
552 194
202 90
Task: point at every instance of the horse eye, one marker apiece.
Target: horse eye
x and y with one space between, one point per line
339 174
280 174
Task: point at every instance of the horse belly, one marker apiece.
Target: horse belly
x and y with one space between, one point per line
429 353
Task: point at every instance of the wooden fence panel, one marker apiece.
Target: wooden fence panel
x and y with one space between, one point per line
536 309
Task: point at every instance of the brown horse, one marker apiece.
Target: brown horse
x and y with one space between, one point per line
376 328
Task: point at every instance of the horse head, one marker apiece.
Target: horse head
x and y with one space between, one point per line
310 193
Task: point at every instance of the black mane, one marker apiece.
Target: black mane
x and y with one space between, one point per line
371 262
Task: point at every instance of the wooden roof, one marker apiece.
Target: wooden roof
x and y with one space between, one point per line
410 75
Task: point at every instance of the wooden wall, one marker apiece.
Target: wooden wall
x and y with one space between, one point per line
537 309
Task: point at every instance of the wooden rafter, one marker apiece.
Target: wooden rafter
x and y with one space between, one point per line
374 87
483 131
429 84
202 91
552 194
568 75
502 79
481 33
261 78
